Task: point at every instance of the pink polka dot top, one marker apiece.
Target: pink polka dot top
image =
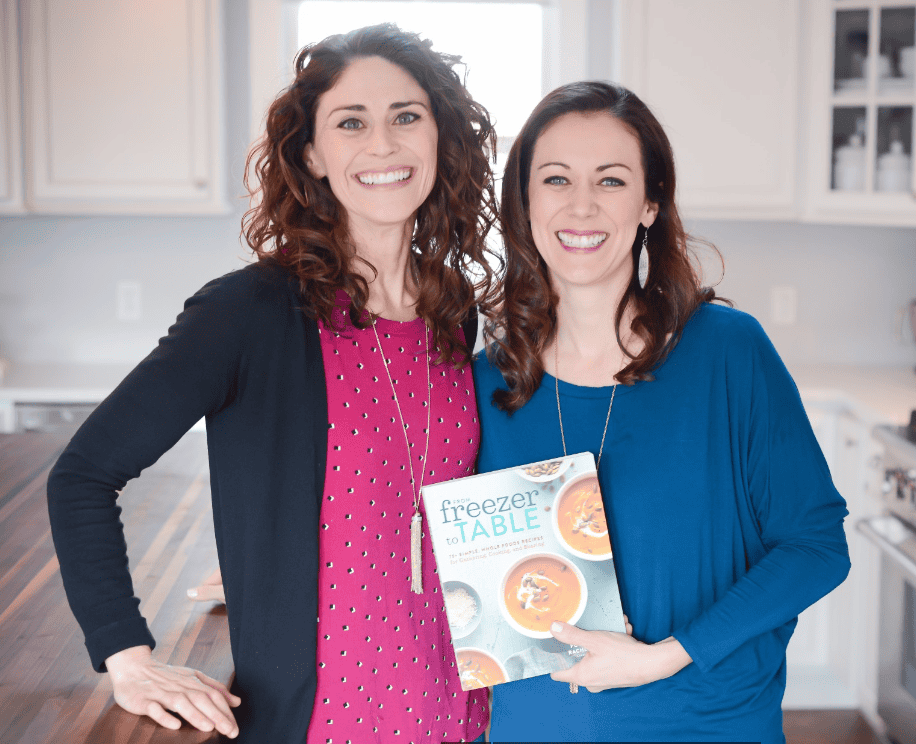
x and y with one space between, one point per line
386 668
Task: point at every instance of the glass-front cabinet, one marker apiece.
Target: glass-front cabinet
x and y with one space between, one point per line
861 144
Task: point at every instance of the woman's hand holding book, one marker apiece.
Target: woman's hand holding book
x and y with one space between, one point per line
617 659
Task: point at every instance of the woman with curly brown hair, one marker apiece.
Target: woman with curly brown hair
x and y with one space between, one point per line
724 522
333 375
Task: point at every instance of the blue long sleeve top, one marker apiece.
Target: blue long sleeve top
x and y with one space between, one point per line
725 525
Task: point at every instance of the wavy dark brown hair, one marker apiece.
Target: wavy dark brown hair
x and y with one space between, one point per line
298 222
526 320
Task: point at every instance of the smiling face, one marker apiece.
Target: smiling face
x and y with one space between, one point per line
586 200
376 141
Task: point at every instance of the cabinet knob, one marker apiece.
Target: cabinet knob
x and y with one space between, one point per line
200 184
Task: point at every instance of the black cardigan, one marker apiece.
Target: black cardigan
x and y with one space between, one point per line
244 355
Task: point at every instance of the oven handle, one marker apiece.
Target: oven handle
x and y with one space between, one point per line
887 547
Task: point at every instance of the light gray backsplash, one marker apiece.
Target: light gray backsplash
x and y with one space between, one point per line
58 278
852 283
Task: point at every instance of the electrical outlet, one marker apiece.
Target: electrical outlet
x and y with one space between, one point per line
784 305
129 301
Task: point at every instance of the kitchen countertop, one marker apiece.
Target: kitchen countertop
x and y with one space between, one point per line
876 395
43 383
61 383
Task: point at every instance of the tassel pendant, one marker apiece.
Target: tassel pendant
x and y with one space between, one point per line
416 554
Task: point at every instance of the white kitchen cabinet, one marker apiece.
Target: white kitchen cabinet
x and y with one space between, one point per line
722 76
854 638
124 106
860 98
832 657
10 129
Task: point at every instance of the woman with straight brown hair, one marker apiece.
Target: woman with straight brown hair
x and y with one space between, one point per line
333 375
723 519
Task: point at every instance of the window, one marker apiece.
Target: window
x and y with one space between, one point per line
503 71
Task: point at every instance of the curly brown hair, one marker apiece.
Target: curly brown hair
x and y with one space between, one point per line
299 223
526 320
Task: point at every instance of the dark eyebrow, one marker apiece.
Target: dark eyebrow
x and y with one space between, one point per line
405 104
599 168
395 105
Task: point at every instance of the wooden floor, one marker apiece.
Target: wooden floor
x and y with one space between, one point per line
49 693
827 727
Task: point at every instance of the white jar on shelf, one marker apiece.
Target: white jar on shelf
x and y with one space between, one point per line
893 172
849 167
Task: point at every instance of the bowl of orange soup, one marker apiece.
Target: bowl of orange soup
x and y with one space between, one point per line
541 588
579 519
477 669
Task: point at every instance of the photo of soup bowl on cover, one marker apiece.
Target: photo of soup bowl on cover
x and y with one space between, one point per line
477 669
579 520
541 588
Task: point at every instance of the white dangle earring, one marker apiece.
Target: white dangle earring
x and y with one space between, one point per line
642 271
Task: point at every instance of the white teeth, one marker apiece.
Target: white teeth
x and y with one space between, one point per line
572 240
374 179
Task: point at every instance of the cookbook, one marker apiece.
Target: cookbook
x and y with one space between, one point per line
515 550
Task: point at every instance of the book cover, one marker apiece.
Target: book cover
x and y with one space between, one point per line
515 550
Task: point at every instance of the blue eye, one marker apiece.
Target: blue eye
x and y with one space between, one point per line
610 181
407 117
555 180
350 124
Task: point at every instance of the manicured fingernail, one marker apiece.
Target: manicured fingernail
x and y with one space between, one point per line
192 593
556 627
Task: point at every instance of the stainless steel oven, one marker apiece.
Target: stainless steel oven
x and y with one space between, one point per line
895 534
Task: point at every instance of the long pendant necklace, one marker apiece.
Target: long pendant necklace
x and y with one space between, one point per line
416 522
574 687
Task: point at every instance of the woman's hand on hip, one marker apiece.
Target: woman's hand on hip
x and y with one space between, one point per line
211 590
148 687
617 659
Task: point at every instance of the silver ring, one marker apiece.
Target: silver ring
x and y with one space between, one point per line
573 687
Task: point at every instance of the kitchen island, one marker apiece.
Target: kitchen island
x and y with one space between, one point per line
48 690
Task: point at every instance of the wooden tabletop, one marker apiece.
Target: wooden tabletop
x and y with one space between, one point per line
48 690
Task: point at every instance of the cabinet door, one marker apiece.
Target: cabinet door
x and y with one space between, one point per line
861 99
124 105
10 143
854 630
809 647
722 77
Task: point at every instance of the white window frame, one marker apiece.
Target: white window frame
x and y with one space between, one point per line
575 48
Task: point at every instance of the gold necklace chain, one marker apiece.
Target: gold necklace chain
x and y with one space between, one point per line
556 377
573 687
416 522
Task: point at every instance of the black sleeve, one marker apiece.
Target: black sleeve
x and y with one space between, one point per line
193 372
